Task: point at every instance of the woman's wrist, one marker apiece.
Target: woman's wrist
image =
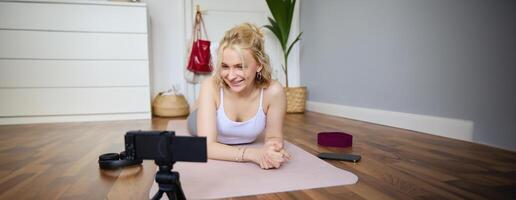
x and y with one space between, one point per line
249 155
275 143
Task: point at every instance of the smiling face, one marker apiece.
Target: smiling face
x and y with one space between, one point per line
238 77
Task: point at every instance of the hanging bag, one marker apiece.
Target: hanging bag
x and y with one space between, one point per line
199 61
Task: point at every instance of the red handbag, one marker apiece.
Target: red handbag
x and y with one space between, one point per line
200 58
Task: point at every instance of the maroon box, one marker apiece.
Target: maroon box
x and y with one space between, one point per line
334 139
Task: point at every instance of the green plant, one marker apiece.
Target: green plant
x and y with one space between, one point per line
282 13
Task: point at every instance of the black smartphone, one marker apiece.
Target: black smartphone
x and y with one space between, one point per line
340 156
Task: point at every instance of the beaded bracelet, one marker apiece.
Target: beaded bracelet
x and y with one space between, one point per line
243 152
240 158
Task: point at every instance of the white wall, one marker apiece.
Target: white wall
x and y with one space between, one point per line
167 44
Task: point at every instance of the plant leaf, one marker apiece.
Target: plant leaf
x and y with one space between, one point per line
294 42
289 8
280 12
276 30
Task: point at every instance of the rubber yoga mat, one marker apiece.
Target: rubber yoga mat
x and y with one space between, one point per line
222 179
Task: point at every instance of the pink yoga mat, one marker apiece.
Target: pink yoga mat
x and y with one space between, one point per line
222 179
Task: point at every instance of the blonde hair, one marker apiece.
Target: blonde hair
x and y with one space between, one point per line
250 37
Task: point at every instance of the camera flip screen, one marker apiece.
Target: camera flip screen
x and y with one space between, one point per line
192 149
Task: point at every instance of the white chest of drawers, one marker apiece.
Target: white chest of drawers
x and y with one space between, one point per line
73 61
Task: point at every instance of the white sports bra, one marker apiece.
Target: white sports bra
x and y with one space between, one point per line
231 132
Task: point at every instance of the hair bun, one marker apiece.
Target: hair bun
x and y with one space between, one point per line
257 30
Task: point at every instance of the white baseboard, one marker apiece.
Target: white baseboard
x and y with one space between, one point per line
446 127
73 118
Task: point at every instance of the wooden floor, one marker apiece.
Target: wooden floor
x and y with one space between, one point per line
49 161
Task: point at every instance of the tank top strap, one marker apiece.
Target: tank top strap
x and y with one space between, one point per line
261 98
221 97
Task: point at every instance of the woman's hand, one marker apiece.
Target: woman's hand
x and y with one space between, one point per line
271 155
278 147
266 157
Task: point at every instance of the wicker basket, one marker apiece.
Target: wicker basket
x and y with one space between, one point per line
170 105
296 99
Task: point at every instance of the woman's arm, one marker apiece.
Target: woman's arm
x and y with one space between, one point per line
206 124
275 114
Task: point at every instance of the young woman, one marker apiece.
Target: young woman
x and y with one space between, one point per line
240 102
